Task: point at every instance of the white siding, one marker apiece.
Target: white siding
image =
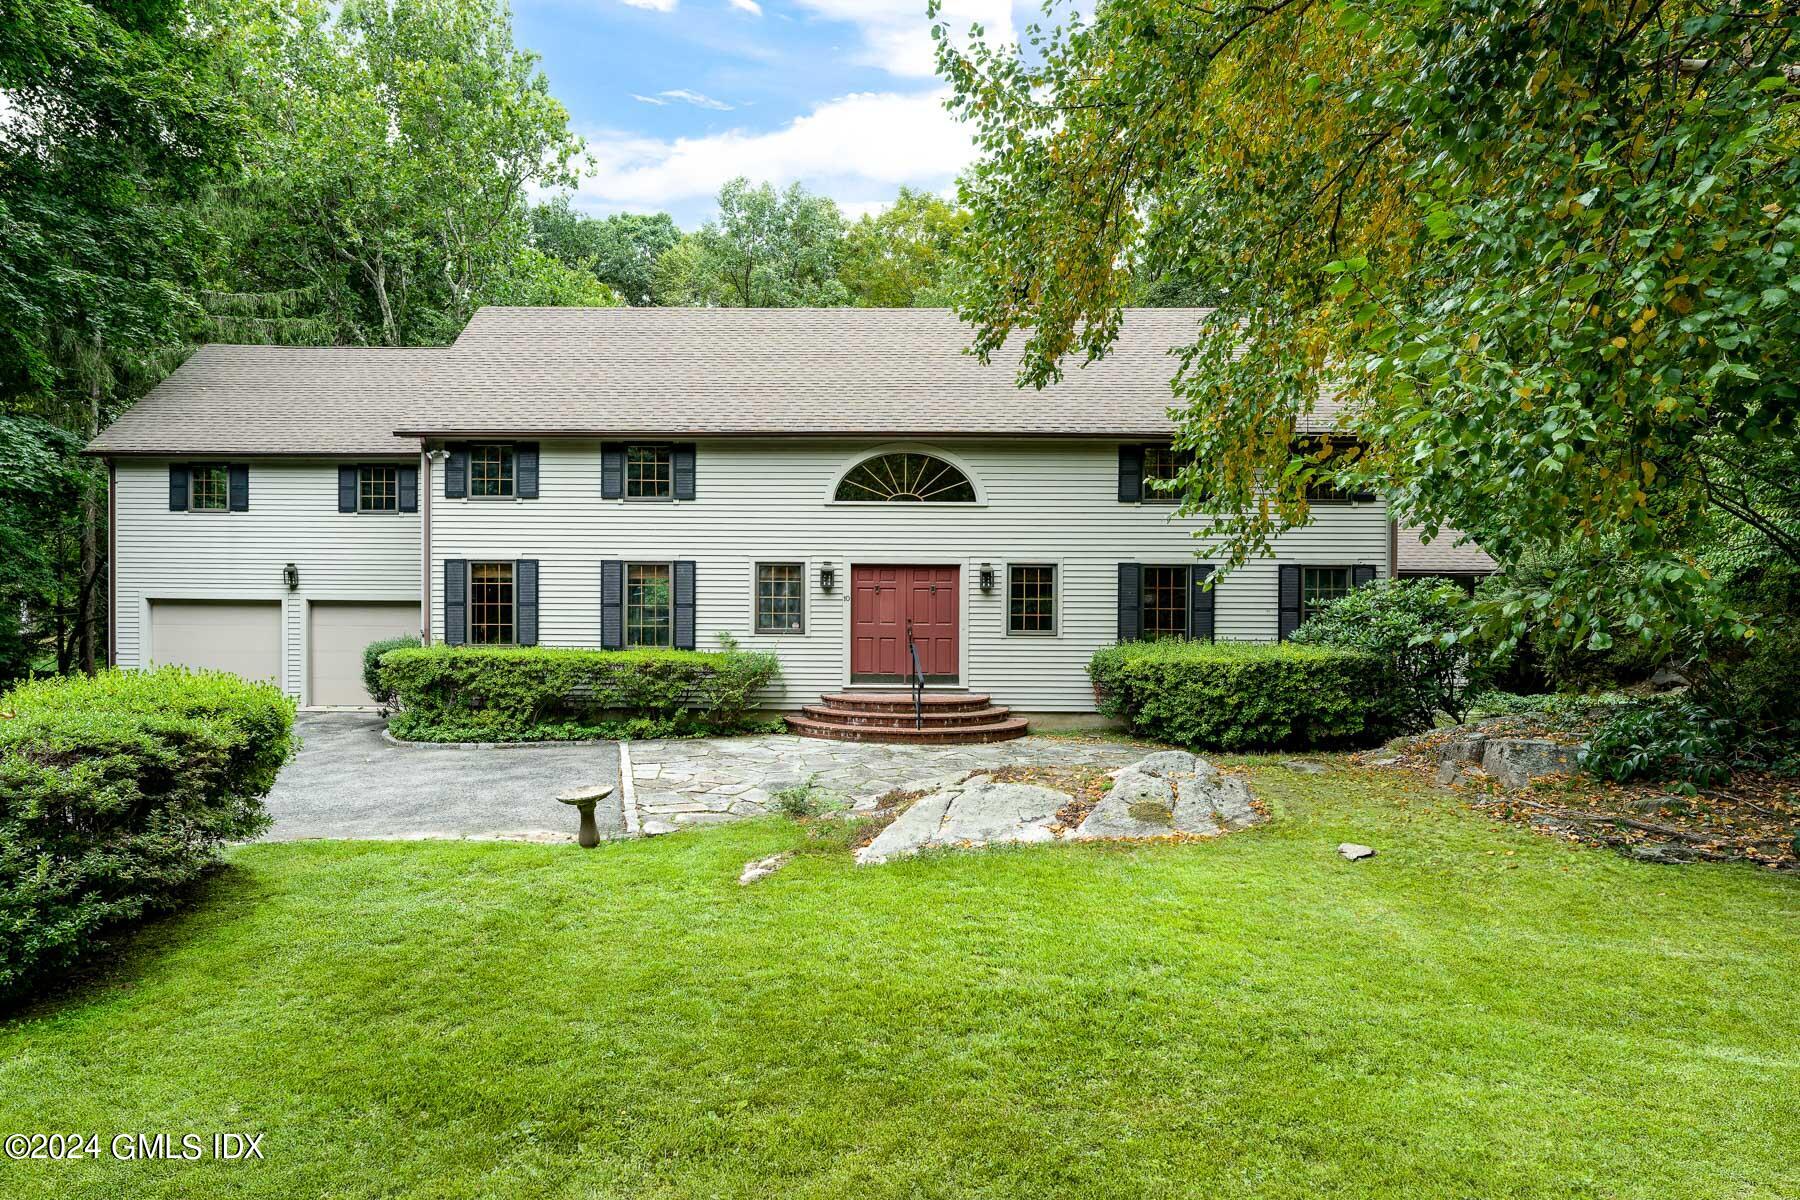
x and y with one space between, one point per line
293 517
1043 501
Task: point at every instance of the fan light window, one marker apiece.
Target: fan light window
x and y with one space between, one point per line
906 478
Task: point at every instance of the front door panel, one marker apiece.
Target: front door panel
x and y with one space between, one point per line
882 601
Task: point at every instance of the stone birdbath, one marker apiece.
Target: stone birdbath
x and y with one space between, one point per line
584 799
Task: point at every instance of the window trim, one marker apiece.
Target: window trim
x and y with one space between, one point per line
625 565
1146 494
1056 599
756 626
193 469
469 449
512 583
1187 603
837 479
625 449
1349 571
361 509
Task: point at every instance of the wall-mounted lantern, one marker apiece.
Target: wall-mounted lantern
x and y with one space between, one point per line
987 577
827 577
290 575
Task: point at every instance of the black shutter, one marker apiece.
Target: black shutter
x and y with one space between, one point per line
1131 474
409 489
1200 603
1363 497
684 471
684 606
1288 599
525 602
456 601
1130 601
1362 575
238 475
612 605
456 473
525 470
612 471
178 487
347 489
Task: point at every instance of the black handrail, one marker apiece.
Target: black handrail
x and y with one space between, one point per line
918 679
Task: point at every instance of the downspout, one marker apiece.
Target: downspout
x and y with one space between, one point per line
112 563
1393 571
425 490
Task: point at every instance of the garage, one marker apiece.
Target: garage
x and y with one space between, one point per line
242 637
339 632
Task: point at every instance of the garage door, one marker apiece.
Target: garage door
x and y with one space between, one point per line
339 633
241 637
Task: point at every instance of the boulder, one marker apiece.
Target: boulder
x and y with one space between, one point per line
1001 812
1227 795
911 830
1355 852
1516 762
1165 763
1138 806
761 868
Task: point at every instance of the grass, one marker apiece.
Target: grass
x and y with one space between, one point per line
1476 1012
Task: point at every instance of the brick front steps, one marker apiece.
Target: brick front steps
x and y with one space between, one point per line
888 717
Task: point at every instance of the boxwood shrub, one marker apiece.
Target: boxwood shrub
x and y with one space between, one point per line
373 682
1247 696
507 694
116 792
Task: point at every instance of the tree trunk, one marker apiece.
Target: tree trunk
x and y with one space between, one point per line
87 611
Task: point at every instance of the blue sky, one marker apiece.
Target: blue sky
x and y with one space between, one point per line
675 97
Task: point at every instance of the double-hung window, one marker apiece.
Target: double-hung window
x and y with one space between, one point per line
377 489
1165 602
1161 465
649 605
649 473
209 487
1030 598
491 470
492 609
1319 586
781 597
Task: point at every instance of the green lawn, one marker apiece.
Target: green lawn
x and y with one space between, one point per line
1477 1012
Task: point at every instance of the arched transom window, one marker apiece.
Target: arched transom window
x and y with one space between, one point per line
906 477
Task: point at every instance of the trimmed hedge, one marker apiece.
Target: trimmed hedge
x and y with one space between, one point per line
373 682
1247 696
116 792
515 694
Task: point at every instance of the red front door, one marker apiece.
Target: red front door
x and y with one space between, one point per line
882 601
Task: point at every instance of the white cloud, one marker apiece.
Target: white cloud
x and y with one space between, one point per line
896 34
694 98
653 5
853 147
749 6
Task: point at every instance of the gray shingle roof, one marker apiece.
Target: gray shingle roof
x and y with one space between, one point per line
254 400
1450 553
654 371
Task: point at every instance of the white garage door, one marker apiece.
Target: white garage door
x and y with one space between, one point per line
339 633
243 637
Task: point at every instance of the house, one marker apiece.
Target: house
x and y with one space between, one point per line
813 482
1450 555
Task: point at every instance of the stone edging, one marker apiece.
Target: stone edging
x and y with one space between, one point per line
628 792
409 744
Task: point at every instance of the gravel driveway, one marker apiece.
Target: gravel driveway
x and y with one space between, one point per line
349 782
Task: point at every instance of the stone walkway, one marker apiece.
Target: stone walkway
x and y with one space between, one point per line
707 780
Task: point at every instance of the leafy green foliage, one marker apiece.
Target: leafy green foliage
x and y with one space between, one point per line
1663 739
619 250
766 249
903 256
1248 696
465 693
1541 256
374 682
1412 625
116 791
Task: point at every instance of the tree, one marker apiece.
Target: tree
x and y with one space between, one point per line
619 250
903 257
114 114
396 144
766 249
1539 254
